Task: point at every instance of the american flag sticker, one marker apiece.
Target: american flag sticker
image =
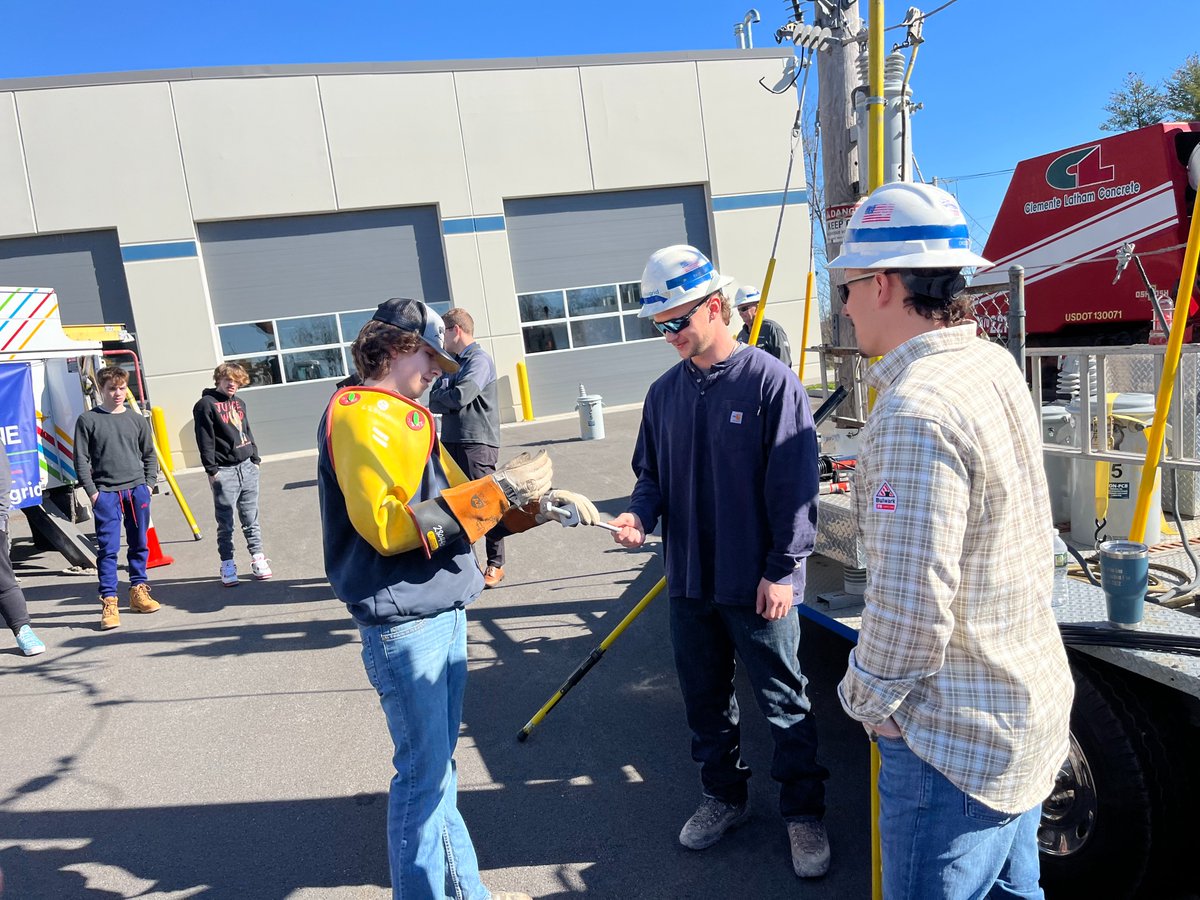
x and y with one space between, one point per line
885 498
878 212
735 417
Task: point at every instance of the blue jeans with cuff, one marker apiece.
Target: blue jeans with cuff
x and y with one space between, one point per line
419 670
939 842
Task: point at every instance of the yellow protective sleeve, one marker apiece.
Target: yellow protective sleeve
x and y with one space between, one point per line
379 444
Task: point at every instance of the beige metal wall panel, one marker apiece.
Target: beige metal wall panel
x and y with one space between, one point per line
174 327
466 278
499 290
253 147
506 351
16 205
747 129
395 140
634 137
105 156
524 134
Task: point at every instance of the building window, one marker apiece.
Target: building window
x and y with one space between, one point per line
582 317
300 348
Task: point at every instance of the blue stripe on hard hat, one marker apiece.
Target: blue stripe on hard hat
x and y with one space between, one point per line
654 298
690 279
956 234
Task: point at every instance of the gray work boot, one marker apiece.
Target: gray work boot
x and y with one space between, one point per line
710 821
810 848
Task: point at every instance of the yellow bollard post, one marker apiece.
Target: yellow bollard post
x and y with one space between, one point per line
158 421
523 387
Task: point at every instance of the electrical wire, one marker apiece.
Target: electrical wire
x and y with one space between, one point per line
1077 635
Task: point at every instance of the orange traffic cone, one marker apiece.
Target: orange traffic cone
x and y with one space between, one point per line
157 557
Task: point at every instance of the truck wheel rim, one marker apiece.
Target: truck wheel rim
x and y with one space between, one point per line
1069 813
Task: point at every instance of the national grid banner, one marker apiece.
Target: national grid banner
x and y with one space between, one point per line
18 433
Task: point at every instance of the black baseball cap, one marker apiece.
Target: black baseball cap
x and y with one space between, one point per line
415 316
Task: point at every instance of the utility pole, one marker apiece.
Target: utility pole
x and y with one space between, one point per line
837 78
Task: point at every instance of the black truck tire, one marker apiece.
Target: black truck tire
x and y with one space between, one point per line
1096 833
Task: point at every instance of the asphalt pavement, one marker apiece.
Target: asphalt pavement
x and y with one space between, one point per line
229 746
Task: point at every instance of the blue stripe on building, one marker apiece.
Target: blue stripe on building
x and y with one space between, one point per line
471 225
168 250
756 201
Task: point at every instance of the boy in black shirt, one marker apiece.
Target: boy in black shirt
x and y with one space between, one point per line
230 457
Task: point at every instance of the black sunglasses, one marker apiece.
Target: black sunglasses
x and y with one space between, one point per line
676 325
844 287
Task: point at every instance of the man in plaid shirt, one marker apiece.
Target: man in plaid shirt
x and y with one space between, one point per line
959 672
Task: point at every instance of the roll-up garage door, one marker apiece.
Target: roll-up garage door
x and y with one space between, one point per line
85 269
290 294
577 261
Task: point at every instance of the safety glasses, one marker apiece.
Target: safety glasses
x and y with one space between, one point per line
844 287
674 326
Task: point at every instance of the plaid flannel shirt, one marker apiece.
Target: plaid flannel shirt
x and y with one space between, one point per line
958 642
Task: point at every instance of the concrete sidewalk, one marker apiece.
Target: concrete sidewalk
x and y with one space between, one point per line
229 746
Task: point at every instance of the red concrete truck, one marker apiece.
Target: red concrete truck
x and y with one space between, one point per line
1065 218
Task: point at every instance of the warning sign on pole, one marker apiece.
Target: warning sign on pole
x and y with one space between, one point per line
836 218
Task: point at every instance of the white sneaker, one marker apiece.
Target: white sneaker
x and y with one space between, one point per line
260 567
229 576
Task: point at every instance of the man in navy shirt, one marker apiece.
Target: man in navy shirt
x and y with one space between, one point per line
734 557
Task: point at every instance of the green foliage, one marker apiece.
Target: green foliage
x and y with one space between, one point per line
1135 104
1182 90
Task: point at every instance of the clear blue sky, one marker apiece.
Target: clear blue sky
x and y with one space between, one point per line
1000 80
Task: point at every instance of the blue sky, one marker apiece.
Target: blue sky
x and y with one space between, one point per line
1000 80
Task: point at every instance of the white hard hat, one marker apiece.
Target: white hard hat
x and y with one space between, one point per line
907 226
746 295
677 275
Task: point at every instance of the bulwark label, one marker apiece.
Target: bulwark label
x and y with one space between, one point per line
885 498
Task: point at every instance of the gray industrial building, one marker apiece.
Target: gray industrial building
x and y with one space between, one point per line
261 214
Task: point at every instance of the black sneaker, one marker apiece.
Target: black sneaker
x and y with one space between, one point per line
710 821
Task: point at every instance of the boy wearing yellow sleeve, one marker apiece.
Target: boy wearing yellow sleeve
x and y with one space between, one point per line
398 519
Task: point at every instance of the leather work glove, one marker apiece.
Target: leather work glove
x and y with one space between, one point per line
524 478
558 498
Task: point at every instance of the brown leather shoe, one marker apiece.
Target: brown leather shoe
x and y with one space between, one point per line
109 617
492 576
140 600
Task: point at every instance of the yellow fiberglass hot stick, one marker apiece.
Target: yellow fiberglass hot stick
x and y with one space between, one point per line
1166 385
875 179
594 657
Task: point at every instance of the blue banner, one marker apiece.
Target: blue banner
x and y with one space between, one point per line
18 433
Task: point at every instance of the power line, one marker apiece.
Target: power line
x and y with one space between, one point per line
941 178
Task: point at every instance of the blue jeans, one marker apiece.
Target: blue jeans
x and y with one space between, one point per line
706 636
111 508
237 486
419 670
938 842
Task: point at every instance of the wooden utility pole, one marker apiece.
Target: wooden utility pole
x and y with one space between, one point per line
836 78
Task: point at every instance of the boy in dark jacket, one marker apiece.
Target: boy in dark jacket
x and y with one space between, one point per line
230 457
116 464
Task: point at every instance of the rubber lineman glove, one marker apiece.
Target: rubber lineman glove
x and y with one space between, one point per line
588 514
524 478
